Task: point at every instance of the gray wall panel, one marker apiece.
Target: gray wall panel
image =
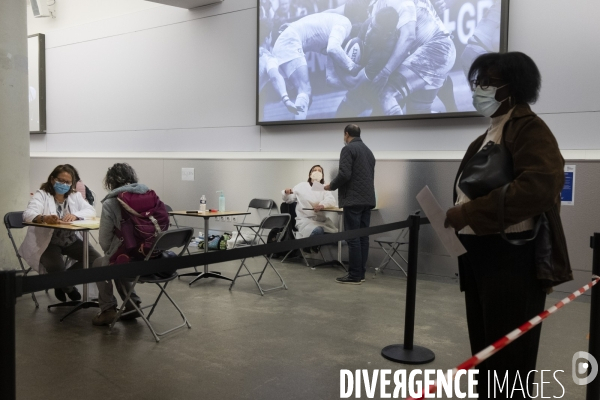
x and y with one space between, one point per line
561 40
175 76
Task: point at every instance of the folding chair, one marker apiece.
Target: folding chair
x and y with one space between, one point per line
291 209
14 220
275 221
169 209
257 204
392 244
165 241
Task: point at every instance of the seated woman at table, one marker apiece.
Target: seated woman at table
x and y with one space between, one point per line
309 222
119 178
44 249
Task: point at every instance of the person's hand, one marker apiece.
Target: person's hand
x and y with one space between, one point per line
355 69
327 187
69 218
455 218
289 105
382 78
289 191
51 219
318 207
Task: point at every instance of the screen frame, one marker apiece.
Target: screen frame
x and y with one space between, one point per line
504 19
41 74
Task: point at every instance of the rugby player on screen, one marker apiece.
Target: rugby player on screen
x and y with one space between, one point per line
422 58
268 68
324 33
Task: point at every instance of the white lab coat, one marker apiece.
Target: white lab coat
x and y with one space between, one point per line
308 220
37 239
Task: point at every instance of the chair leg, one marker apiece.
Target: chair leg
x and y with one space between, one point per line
185 321
156 301
122 308
37 305
237 274
384 262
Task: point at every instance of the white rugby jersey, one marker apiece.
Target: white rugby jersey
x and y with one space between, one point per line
428 23
317 31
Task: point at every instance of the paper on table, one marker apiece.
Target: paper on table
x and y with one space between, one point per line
318 187
87 223
437 216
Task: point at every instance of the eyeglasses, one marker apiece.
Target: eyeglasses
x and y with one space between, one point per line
63 182
484 83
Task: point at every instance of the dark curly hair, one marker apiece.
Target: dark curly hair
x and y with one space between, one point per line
49 187
513 68
118 175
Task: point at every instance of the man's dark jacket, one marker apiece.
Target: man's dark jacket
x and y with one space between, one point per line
355 179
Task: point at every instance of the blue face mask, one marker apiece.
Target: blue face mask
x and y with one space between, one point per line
485 101
61 188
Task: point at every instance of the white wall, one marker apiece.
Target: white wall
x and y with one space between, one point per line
131 76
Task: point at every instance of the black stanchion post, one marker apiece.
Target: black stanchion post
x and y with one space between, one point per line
593 387
408 353
8 364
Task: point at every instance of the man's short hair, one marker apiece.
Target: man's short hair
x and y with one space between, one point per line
353 130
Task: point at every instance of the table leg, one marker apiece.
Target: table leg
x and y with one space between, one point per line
339 261
85 303
86 261
206 273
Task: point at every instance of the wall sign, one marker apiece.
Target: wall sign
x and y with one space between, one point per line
567 195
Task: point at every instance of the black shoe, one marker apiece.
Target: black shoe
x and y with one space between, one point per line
60 295
130 308
74 295
316 249
349 280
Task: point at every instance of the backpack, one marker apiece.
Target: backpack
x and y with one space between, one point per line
89 196
143 217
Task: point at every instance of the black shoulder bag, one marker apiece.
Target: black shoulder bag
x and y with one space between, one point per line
489 169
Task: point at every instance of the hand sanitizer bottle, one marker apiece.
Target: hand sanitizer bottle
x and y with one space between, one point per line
202 208
221 201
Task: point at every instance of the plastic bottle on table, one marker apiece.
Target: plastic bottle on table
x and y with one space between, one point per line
221 201
202 204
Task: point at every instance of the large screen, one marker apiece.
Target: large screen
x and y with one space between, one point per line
329 60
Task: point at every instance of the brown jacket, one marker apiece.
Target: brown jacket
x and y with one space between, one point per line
539 178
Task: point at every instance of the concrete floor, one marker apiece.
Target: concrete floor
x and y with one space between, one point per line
289 344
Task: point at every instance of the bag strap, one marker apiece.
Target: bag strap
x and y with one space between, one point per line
516 242
130 210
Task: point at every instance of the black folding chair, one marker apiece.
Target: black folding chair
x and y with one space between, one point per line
257 204
165 241
391 246
275 221
14 220
171 216
291 209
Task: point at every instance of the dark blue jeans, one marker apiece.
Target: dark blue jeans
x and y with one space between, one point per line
357 217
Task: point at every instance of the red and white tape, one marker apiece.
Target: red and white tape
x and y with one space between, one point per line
512 336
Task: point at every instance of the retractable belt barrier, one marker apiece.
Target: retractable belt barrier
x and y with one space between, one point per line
29 284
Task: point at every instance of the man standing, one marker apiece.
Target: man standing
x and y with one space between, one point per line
355 181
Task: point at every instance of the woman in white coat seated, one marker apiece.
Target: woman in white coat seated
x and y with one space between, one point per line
44 249
309 222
